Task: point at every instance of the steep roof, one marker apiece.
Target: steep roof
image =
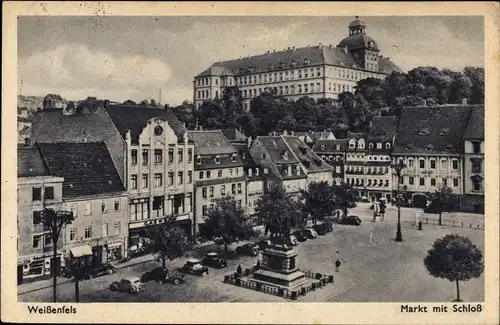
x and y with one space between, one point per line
276 147
330 145
316 55
431 130
136 117
30 163
87 168
245 155
475 126
313 163
383 128
210 142
234 135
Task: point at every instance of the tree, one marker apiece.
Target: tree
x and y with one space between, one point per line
442 200
346 197
226 221
280 214
320 200
454 258
168 240
54 221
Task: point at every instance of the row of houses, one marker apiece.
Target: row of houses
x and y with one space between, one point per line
441 145
123 168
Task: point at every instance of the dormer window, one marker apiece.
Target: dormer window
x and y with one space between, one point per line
361 144
337 147
370 145
379 145
444 131
285 155
217 159
250 172
266 170
298 170
388 145
256 171
323 147
233 157
198 160
285 170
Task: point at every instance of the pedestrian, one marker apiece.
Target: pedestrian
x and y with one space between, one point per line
239 270
337 265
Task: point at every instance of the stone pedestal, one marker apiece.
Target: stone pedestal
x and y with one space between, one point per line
279 268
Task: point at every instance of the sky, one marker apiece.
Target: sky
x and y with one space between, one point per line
120 58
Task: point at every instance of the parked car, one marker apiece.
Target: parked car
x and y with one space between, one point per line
98 270
251 249
194 266
310 233
213 260
320 229
128 284
351 220
157 274
292 240
263 244
299 234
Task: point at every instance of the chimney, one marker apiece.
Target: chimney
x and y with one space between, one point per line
464 101
320 46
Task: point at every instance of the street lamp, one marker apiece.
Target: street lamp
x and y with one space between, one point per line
398 167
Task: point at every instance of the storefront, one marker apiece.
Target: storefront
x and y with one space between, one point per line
36 266
114 250
139 237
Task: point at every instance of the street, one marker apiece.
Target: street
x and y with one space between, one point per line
385 271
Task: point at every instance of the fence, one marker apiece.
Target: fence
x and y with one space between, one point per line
452 223
276 291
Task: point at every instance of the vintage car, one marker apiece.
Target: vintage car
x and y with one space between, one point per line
98 270
251 249
130 284
310 233
299 234
194 266
351 220
213 260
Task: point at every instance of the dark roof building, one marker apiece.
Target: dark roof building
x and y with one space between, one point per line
30 163
337 146
475 125
135 118
383 129
87 168
213 150
432 130
312 162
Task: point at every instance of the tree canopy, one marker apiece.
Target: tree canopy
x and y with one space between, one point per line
320 200
168 240
350 112
454 258
227 222
280 213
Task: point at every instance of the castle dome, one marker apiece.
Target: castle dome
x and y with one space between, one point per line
359 41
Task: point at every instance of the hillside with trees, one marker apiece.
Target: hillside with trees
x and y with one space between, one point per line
350 112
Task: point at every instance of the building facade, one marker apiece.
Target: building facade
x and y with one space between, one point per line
218 172
94 193
429 142
150 151
377 169
333 152
355 163
36 189
321 71
474 161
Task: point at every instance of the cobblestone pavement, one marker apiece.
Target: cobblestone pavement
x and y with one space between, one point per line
382 272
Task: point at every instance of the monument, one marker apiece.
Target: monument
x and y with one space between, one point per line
279 268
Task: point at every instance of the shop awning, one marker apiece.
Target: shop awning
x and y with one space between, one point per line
80 251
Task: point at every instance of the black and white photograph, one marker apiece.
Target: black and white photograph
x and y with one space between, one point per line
252 158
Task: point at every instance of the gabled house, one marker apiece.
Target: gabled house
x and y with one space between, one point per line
333 153
218 172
